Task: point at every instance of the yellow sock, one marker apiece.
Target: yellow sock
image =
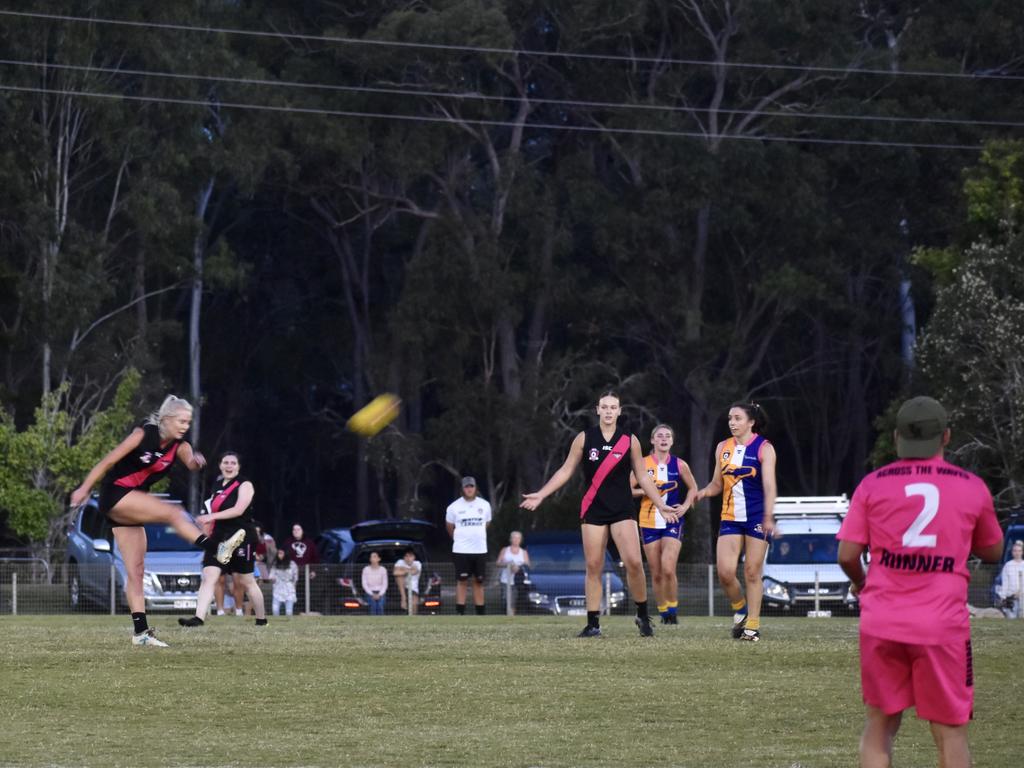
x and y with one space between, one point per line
672 604
754 623
662 607
739 605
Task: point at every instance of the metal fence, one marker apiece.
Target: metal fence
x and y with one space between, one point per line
32 586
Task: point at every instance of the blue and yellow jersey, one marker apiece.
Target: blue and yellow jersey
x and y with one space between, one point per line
742 484
666 477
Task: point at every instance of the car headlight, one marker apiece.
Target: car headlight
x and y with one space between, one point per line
776 590
538 598
615 599
151 584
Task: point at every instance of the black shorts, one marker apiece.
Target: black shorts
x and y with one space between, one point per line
467 565
243 559
109 496
601 516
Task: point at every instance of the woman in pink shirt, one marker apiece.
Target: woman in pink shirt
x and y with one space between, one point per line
375 584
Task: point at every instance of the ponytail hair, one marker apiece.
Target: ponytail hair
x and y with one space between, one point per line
172 404
755 413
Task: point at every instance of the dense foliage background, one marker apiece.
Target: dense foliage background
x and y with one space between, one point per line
702 202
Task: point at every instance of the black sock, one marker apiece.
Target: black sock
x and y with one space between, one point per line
201 541
139 620
641 609
460 608
592 619
480 610
261 622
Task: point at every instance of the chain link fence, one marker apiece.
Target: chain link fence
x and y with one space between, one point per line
34 586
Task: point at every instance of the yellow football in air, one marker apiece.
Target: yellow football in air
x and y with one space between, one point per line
375 415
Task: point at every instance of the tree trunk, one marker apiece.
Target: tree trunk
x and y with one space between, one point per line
194 344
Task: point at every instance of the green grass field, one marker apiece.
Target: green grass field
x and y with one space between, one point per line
466 691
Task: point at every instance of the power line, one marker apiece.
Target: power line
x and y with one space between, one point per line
484 122
510 51
472 96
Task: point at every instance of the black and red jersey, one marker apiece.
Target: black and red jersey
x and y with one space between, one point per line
145 464
225 495
606 467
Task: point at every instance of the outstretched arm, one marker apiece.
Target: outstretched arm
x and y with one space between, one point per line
562 475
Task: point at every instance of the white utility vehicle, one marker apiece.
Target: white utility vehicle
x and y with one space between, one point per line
801 572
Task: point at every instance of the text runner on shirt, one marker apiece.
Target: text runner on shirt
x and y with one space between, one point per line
467 519
921 518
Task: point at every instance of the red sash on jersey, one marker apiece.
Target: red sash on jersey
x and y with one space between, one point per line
219 498
607 465
136 479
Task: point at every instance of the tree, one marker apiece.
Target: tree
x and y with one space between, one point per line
968 350
50 457
969 355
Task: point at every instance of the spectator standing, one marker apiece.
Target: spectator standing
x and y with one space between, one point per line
511 560
467 519
284 573
921 518
1011 587
407 578
266 551
303 552
375 584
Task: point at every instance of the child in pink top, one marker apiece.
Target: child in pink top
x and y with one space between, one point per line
921 518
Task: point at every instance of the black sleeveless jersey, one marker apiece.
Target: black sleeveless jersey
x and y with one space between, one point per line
144 465
224 496
606 467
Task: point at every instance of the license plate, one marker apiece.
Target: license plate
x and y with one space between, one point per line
576 612
820 614
184 603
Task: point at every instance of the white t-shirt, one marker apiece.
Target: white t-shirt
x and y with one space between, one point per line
470 519
412 576
511 558
1013 577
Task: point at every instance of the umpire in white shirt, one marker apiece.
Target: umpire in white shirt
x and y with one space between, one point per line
467 519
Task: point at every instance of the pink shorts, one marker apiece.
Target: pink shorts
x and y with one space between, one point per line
937 680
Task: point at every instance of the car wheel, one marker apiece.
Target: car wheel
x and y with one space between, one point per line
74 587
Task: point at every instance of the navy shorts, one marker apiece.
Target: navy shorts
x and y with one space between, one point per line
670 531
752 528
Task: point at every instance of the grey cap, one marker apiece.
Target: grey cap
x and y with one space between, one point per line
468 480
920 424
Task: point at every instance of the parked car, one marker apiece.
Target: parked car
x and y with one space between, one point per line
390 538
557 576
800 567
335 545
173 566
